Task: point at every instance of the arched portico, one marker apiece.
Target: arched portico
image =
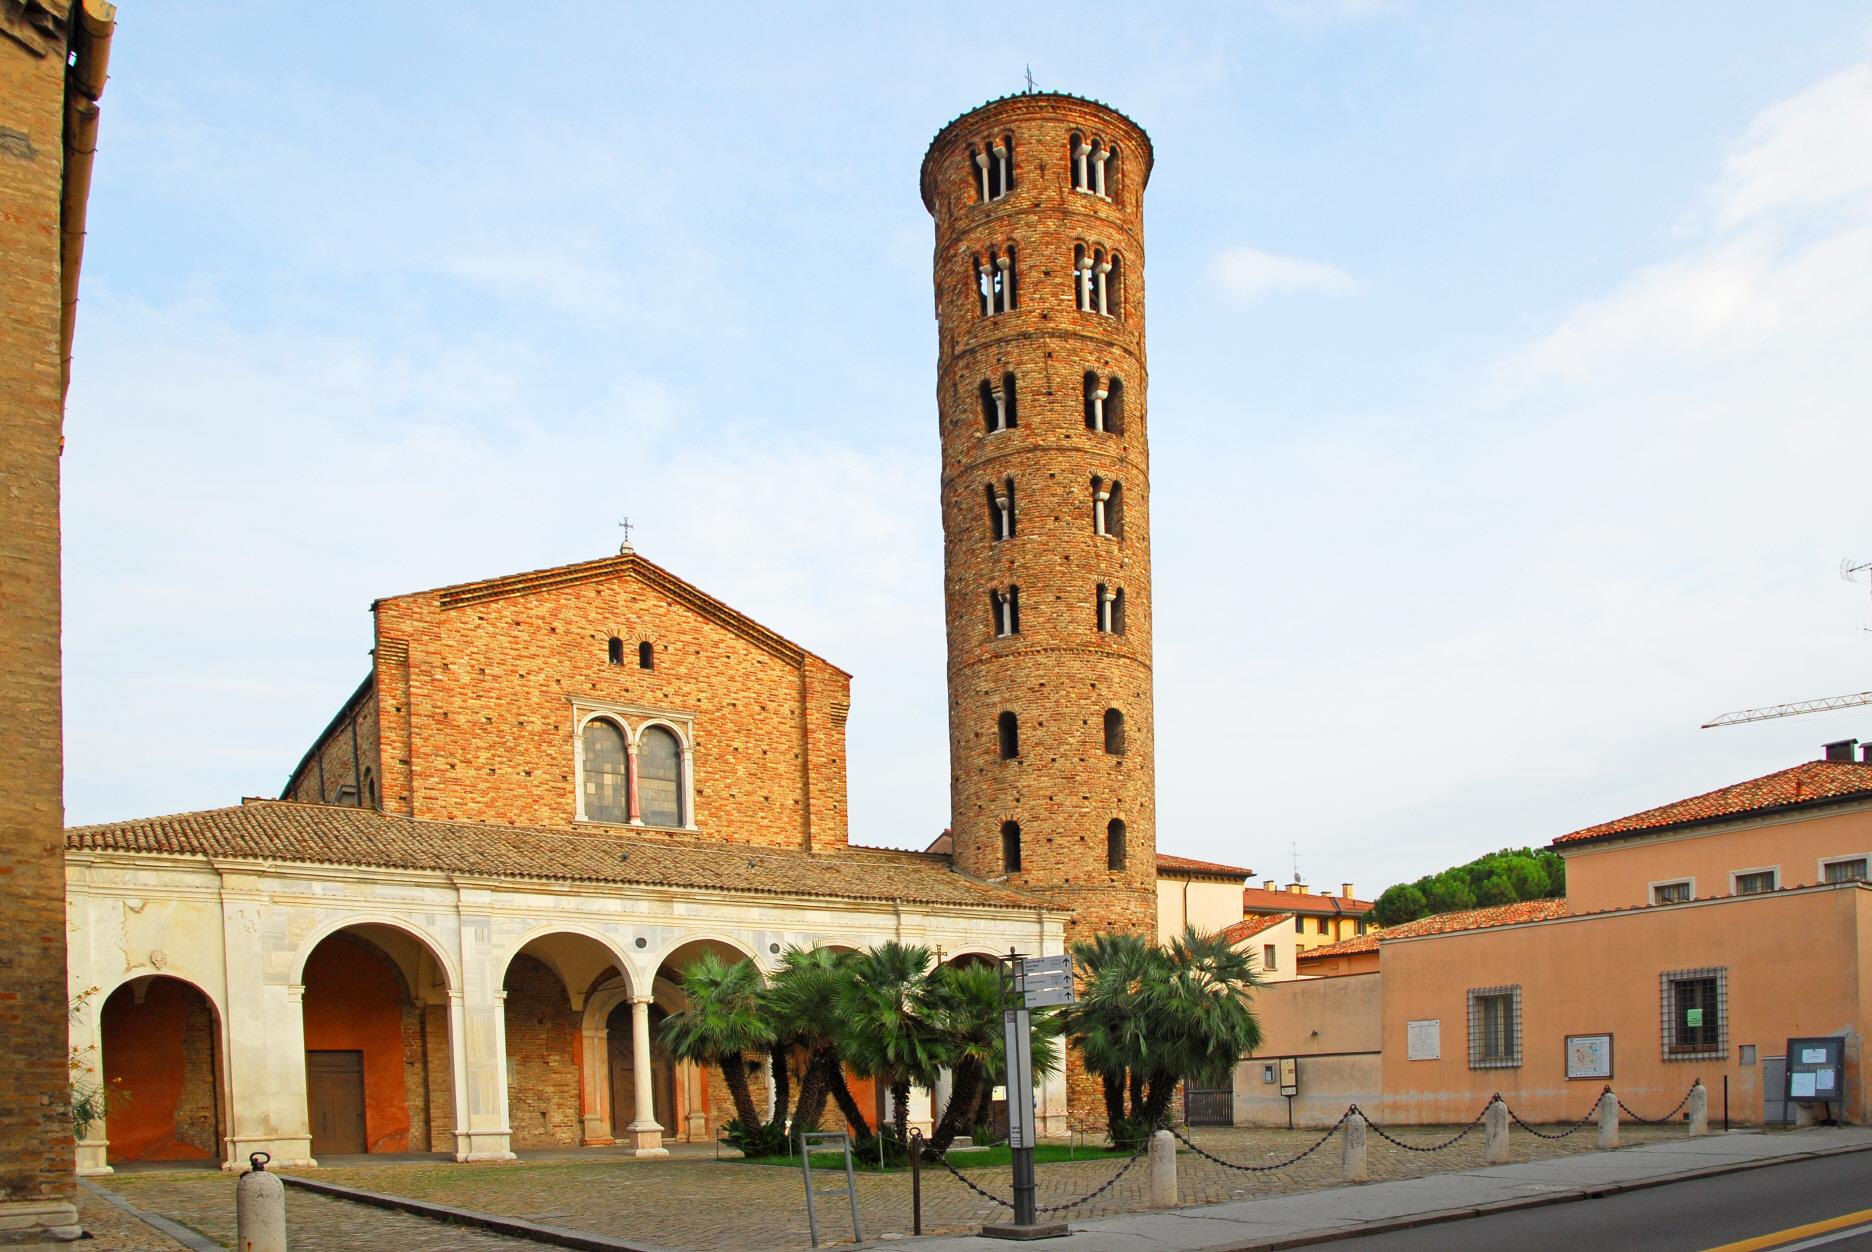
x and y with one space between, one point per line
161 1064
700 1099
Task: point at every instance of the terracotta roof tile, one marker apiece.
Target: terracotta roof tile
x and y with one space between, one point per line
1249 927
1443 923
324 834
1168 864
1261 900
1810 782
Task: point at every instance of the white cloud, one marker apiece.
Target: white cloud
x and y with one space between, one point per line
1250 273
1806 151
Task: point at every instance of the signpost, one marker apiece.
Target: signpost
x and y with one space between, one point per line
1032 983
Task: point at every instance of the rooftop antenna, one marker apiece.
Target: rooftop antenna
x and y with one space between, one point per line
625 547
1295 849
1030 82
1850 571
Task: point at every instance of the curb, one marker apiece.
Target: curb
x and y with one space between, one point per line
1438 1217
193 1240
519 1228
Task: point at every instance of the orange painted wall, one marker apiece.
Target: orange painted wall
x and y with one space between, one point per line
1340 966
353 1001
143 1056
1619 876
1794 968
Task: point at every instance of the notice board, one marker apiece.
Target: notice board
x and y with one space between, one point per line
1816 1069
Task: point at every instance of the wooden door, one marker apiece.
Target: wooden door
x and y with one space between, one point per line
335 1098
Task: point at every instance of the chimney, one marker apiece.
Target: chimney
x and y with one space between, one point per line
1296 888
1841 749
1345 889
1268 884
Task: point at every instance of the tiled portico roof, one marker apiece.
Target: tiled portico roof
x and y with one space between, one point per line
325 834
1809 783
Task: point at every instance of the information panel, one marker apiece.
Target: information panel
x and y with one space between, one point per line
1423 1040
1816 1070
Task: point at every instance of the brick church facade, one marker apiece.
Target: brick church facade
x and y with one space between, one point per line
458 928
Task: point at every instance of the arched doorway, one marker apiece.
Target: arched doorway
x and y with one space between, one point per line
558 1081
623 1076
379 1074
701 1102
163 1072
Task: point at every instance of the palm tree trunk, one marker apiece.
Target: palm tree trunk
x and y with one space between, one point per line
1137 1092
854 1116
1162 1091
812 1095
984 1104
734 1073
961 1097
900 1109
782 1079
1114 1101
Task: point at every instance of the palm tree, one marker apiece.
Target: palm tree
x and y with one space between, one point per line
1113 1036
966 1004
887 1030
722 1024
802 1007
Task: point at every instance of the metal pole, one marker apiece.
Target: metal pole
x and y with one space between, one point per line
1725 1104
916 1182
1019 1044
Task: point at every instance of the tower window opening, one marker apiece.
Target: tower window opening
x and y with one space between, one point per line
1115 844
1101 506
1006 606
1096 397
1094 165
614 650
1001 519
646 655
1107 284
994 280
994 408
1082 277
1114 732
1010 848
1111 615
1114 511
1012 398
1105 174
1007 734
1081 167
1114 405
994 164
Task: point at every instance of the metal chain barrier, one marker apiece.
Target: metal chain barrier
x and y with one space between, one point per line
1263 1169
1658 1121
1101 1189
1450 1142
1592 1115
986 1195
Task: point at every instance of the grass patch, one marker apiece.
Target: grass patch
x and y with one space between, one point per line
961 1158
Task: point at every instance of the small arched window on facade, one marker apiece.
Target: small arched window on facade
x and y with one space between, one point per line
1001 518
646 655
606 773
614 650
1115 844
1111 610
1114 732
1007 735
1006 608
994 281
994 167
370 789
1010 848
999 404
659 777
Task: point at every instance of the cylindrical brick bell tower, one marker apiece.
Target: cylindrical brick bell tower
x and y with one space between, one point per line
1041 386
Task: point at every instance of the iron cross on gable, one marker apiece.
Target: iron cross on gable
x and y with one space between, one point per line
625 526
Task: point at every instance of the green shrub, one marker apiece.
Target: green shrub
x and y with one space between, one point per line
768 1139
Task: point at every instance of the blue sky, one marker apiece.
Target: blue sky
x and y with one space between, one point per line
1508 381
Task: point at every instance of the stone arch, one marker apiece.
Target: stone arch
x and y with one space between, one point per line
444 960
547 930
549 978
162 1052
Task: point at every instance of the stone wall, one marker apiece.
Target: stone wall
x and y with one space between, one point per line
543 1046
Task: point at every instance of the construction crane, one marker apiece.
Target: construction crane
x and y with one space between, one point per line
1849 570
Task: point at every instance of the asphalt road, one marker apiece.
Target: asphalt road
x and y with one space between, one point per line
1682 1217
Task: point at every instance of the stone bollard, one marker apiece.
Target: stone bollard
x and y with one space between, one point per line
1699 1110
1608 1121
1163 1179
1495 1132
260 1209
1352 1148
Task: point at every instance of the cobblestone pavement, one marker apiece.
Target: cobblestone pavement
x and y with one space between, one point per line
110 1227
709 1204
314 1223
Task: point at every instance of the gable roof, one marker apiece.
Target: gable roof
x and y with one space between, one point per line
1443 923
625 564
327 834
1261 900
1810 783
1169 866
1249 927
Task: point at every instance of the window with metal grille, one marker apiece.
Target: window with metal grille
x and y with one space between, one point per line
1671 892
1694 1013
1755 882
1846 871
1494 1027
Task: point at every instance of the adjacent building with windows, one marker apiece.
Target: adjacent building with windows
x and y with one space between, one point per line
1695 939
1318 918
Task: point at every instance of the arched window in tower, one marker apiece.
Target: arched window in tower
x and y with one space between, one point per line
1082 278
1114 510
1012 400
1111 610
646 655
1114 732
994 280
1081 166
1095 397
994 166
1105 174
1101 506
605 773
1114 844
1010 848
1107 269
1007 735
1001 518
1114 405
1006 608
614 650
659 777
994 407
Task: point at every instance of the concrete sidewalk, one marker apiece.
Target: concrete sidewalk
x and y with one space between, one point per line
1320 1216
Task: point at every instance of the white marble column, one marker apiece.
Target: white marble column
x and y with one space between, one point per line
646 1137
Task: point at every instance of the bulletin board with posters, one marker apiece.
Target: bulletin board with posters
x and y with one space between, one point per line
1816 1070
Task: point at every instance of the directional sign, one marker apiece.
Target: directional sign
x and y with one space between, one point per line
1046 997
1039 966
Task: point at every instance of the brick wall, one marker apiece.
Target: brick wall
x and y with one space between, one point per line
35 1125
542 1057
346 755
477 686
